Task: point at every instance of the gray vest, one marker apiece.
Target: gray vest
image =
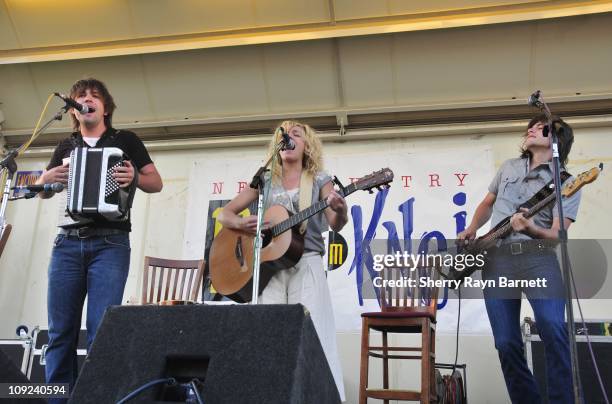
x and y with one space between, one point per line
313 240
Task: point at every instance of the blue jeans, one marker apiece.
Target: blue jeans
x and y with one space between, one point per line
504 308
96 267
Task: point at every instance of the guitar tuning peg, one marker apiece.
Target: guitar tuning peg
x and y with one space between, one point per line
379 188
370 191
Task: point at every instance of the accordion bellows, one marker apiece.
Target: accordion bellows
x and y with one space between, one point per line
92 190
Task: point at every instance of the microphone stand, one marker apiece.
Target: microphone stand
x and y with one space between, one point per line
565 262
9 164
258 183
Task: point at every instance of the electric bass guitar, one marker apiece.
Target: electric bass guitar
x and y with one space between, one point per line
504 228
231 253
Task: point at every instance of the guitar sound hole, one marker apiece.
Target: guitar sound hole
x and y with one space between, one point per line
267 238
238 251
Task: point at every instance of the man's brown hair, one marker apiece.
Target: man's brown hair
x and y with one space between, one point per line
565 135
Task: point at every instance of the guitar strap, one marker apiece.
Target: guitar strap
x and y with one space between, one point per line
545 191
306 182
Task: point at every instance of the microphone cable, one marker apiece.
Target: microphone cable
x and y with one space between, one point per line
27 144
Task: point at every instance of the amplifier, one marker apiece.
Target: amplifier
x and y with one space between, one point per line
40 340
600 334
28 353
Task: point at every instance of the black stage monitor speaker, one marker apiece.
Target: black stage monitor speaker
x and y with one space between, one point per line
238 354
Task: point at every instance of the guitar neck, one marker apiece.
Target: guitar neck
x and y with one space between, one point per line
504 227
306 213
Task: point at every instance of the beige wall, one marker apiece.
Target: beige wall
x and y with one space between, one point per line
159 222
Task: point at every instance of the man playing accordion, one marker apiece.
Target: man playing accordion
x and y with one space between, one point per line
91 256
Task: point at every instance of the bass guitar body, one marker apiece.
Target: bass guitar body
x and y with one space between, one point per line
231 256
475 247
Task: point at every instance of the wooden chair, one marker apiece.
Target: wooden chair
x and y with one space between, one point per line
167 280
403 310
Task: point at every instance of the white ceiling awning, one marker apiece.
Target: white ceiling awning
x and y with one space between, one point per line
43 31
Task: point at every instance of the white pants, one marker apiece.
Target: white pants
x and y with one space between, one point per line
305 283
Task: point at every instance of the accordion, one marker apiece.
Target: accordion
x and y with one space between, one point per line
92 191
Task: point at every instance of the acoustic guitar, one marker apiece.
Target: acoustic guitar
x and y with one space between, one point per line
504 228
231 253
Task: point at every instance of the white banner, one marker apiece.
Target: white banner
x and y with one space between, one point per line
431 192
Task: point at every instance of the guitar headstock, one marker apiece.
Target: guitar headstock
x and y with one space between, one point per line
581 180
378 179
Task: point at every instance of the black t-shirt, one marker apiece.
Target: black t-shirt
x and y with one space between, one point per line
122 139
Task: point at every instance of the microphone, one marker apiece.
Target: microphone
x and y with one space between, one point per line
82 108
534 99
288 143
55 187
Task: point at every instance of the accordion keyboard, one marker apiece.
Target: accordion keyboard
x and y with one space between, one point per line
111 184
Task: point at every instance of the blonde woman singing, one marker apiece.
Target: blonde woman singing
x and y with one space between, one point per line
304 283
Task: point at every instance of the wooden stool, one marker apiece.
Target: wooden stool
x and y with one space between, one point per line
403 310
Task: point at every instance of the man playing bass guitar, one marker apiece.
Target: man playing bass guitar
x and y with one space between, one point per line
528 254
